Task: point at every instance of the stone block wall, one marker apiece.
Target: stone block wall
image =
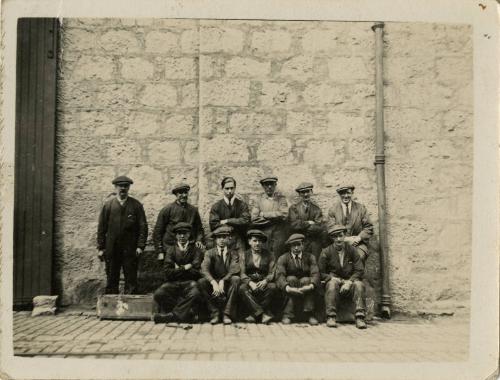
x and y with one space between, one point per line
196 100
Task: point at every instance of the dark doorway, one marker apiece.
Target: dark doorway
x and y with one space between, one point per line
36 75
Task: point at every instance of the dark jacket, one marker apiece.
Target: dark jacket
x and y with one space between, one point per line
359 223
329 264
213 267
122 228
286 267
237 215
248 270
174 255
168 217
298 217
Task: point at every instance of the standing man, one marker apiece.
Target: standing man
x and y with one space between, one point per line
269 214
121 236
297 274
354 216
231 211
219 286
257 290
306 218
178 297
178 211
342 270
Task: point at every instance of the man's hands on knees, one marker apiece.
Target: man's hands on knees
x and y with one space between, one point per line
218 288
346 287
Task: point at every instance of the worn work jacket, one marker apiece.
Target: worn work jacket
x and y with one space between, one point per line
268 211
248 270
121 229
169 216
329 264
359 223
174 255
286 266
213 266
298 217
237 216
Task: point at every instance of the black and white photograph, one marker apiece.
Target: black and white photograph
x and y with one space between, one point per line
210 193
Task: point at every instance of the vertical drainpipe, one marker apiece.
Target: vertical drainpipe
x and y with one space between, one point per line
378 28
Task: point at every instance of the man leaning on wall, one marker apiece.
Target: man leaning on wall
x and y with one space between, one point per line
176 212
121 236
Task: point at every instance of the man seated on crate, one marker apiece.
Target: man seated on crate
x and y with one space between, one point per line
297 274
220 269
342 270
179 296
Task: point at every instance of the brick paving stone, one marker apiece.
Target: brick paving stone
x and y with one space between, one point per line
78 335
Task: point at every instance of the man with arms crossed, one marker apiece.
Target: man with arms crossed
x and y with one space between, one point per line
178 211
306 218
231 211
178 297
270 213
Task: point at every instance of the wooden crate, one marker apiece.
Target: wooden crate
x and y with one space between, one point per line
125 306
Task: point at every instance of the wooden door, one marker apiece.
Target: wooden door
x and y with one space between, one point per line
34 157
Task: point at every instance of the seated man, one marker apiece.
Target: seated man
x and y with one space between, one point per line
220 269
257 271
298 275
178 297
342 270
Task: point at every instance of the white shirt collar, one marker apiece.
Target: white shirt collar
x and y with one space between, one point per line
346 205
221 251
341 257
121 201
229 202
181 247
297 256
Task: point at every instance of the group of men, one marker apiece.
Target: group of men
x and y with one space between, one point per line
272 255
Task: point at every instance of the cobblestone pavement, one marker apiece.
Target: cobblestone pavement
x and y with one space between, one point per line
80 335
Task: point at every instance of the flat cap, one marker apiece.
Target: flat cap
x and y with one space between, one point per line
295 237
180 186
269 178
122 179
341 189
336 228
304 186
222 230
257 233
182 226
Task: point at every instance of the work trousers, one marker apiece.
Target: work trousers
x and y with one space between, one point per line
258 301
179 297
227 303
298 304
356 294
114 263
